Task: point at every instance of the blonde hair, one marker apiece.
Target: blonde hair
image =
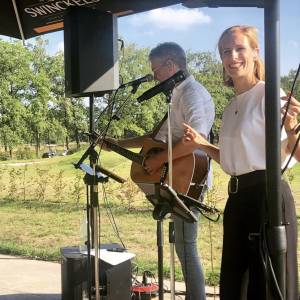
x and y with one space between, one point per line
251 34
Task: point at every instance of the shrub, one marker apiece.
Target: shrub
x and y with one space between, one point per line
4 156
24 153
72 151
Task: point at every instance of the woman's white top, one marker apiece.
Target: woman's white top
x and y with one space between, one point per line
242 134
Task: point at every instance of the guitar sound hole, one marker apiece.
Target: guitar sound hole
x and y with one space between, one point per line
154 151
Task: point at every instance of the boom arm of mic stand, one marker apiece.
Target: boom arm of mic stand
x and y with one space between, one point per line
110 174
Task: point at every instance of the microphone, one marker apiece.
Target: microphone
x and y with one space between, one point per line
138 81
163 87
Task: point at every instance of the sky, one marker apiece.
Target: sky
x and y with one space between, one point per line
199 29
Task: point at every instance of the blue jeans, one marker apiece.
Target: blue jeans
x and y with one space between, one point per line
186 249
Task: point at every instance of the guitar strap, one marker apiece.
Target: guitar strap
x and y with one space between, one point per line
211 138
203 185
157 128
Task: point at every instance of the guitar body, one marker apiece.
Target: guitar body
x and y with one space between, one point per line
189 172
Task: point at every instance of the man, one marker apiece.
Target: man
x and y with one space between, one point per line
191 104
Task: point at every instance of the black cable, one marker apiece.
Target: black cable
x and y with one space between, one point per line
111 217
267 262
290 96
122 61
135 269
104 132
121 106
105 109
109 107
284 117
207 217
103 135
261 252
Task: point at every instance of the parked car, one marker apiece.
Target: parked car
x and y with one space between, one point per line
65 152
48 154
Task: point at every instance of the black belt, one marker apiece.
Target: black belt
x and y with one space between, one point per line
237 183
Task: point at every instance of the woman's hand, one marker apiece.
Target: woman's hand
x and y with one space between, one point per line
293 111
291 127
192 138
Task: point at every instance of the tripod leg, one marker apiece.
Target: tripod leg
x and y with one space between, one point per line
160 244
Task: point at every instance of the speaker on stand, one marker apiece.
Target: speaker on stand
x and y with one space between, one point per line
91 69
91 53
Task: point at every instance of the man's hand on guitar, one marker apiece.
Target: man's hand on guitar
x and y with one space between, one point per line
153 164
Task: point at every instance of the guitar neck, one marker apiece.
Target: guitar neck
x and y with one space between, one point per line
135 157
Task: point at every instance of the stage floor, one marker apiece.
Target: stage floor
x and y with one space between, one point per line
24 279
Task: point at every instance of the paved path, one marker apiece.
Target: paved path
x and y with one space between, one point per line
24 279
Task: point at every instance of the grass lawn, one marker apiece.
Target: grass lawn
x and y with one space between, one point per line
42 206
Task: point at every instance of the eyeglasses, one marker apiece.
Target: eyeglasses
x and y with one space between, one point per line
159 67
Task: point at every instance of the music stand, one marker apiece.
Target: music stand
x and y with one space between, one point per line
165 201
189 201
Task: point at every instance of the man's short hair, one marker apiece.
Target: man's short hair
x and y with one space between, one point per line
169 50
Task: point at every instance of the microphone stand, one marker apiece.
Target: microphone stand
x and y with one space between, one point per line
170 178
160 239
168 88
92 206
161 207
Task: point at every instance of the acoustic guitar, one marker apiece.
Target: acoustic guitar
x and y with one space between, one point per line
189 172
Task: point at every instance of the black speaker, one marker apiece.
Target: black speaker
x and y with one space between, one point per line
91 54
115 280
74 282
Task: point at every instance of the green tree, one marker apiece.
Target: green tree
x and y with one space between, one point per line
209 72
287 82
40 95
14 79
70 113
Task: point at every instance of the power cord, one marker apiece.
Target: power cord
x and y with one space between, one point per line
290 96
111 218
268 265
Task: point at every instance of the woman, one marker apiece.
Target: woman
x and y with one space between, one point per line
242 155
